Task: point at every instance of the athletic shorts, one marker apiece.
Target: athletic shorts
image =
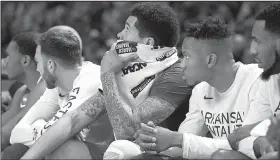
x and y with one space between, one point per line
95 151
15 151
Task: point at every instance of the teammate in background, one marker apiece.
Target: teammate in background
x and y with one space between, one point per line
265 47
21 66
220 104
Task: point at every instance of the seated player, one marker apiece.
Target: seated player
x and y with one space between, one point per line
21 66
266 49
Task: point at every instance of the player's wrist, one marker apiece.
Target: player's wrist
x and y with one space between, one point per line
177 139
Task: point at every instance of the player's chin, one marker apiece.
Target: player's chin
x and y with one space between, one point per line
264 66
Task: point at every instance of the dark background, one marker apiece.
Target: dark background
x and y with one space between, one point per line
99 22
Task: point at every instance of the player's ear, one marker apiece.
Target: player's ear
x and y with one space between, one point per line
211 60
51 66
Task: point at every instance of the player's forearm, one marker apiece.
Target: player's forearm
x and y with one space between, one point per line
8 127
51 139
5 138
14 121
153 109
6 117
72 123
120 114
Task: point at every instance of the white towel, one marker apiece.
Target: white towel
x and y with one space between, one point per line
136 78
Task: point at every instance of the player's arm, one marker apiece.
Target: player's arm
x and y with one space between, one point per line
259 110
44 109
15 105
126 119
190 137
193 146
32 98
72 122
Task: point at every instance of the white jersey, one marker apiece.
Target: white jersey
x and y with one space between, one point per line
54 103
219 113
269 96
270 93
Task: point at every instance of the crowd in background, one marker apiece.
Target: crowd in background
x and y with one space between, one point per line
99 22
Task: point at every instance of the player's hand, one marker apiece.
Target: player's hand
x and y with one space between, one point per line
158 138
6 100
273 133
239 134
270 155
111 62
262 146
18 97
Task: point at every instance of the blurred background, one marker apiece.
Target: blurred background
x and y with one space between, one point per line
99 22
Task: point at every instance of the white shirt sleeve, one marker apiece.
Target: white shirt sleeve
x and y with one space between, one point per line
259 110
41 111
260 107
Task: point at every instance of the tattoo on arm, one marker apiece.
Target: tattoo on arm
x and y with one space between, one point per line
94 106
120 118
126 120
154 109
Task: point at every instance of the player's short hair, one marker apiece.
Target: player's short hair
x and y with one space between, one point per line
271 15
61 44
207 29
157 20
26 43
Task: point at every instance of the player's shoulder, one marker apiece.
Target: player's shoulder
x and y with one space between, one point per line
88 78
272 82
176 66
89 72
89 67
274 78
201 87
250 69
173 73
249 74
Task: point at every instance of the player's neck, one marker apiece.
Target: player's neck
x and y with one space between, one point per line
66 78
224 78
31 79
